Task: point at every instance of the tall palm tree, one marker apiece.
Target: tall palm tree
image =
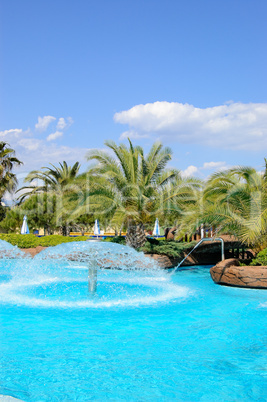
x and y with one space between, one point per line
8 161
58 181
238 204
133 187
182 204
51 179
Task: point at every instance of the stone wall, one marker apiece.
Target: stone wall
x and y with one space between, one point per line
230 273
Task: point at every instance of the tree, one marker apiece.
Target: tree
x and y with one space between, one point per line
238 205
8 180
58 182
8 161
52 179
182 203
13 220
134 187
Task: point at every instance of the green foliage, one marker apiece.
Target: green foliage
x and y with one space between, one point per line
31 241
261 258
128 186
154 246
40 210
235 202
3 211
116 239
131 189
52 203
169 248
8 161
53 179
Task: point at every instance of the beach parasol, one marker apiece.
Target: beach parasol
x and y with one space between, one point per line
24 227
156 228
96 228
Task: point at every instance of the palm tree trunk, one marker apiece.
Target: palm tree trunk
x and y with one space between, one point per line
135 236
64 230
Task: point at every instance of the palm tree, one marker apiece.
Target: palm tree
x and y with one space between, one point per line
8 161
57 181
182 204
127 185
52 179
133 187
238 204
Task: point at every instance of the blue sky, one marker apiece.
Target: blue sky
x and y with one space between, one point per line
189 73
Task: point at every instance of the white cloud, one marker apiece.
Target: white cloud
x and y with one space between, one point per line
201 170
54 136
189 171
70 121
61 124
43 122
64 123
12 132
41 153
214 165
230 126
30 144
36 152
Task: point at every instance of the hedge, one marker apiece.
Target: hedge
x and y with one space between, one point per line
31 241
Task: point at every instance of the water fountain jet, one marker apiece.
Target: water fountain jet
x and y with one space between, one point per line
92 279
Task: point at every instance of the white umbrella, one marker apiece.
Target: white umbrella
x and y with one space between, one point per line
156 228
96 228
24 227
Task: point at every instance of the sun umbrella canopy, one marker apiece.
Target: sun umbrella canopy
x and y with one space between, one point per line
156 228
24 227
96 228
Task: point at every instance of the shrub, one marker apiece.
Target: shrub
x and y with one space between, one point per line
155 246
261 258
166 247
31 241
116 239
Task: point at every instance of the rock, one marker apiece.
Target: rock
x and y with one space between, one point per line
229 272
164 261
33 251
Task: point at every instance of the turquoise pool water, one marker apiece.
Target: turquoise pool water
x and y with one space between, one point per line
143 337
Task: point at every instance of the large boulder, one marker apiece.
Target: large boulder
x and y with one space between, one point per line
229 272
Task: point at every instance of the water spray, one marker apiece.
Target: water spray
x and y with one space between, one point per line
92 277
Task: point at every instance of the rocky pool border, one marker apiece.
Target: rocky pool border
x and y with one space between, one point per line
230 273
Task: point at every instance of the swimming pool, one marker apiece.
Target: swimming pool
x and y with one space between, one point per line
145 336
